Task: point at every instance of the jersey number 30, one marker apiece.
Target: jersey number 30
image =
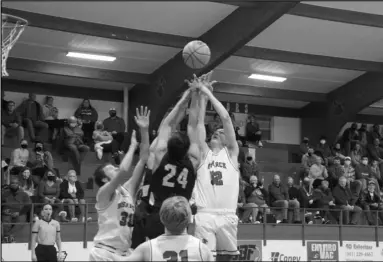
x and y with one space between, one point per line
181 179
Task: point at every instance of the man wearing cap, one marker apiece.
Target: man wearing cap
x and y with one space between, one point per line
114 124
370 200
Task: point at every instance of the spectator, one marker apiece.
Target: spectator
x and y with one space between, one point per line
256 197
51 114
74 143
100 137
48 107
308 160
375 134
323 147
349 171
249 168
305 194
335 172
317 170
89 116
26 182
323 199
363 172
279 197
337 152
355 187
356 155
32 115
371 201
11 122
376 152
253 131
350 138
375 173
49 193
72 193
19 157
363 136
15 205
293 190
41 160
113 123
241 198
304 147
345 201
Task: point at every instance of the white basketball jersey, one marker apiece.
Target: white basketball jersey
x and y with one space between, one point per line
217 185
115 222
175 248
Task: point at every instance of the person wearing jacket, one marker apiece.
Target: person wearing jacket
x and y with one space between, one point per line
32 115
40 160
322 199
72 193
371 201
89 116
256 197
345 201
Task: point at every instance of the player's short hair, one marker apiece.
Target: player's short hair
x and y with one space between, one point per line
178 146
99 175
175 214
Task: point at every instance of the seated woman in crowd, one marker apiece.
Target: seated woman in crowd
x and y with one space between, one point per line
100 137
72 193
49 193
40 160
26 182
73 141
89 117
19 158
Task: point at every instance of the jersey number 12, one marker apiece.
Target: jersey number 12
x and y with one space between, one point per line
181 179
172 256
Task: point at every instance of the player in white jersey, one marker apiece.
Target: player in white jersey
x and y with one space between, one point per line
115 202
217 186
175 244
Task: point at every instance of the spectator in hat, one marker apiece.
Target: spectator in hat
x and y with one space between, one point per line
371 201
114 124
349 171
88 115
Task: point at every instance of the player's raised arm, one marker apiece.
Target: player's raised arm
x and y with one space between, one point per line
142 120
166 128
231 142
107 191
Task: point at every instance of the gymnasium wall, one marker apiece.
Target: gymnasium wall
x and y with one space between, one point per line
68 105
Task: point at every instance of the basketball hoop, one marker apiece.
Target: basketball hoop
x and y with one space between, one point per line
11 29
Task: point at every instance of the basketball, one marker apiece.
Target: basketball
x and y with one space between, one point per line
196 54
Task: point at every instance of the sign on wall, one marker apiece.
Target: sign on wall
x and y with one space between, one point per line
282 250
320 251
360 251
250 250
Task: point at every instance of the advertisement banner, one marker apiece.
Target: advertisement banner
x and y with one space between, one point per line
360 251
283 250
250 250
320 251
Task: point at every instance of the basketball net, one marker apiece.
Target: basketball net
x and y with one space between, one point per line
11 29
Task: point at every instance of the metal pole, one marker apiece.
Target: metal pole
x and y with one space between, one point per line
85 241
30 227
125 111
264 226
376 228
303 228
340 228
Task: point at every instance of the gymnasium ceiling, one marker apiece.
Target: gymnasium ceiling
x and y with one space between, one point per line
318 46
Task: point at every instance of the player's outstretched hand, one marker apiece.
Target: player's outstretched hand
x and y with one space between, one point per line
133 140
206 80
142 117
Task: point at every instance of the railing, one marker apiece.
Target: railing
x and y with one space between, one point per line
303 225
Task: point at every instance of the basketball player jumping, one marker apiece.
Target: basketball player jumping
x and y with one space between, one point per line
175 244
144 208
176 158
217 188
115 202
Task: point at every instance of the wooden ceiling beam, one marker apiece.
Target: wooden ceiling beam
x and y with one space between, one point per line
22 64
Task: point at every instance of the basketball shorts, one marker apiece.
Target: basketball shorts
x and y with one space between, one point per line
101 254
218 230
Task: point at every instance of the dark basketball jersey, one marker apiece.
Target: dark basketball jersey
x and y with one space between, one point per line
146 185
172 178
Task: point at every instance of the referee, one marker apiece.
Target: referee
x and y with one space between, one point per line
46 233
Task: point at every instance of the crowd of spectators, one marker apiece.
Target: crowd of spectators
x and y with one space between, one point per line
345 176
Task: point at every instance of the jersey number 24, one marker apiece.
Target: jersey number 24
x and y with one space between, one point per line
181 179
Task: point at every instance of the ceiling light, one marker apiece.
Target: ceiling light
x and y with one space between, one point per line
268 78
91 56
